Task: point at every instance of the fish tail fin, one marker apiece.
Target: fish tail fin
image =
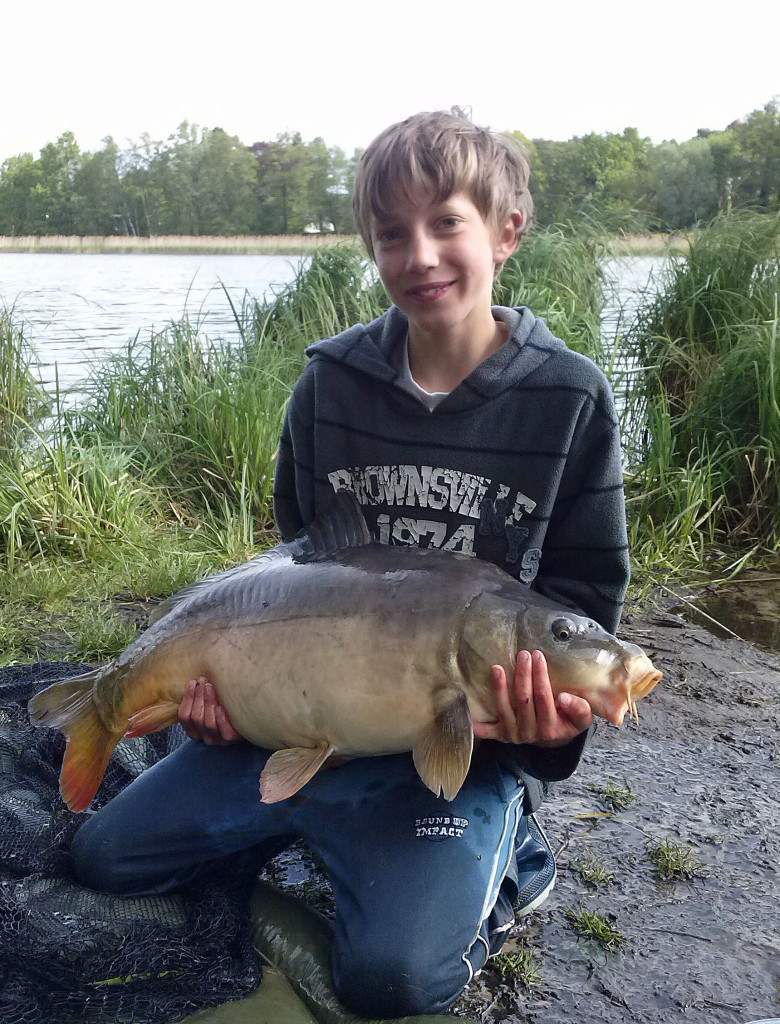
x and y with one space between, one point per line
68 705
63 701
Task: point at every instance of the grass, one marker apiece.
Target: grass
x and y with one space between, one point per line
592 925
520 966
704 451
614 797
593 873
557 273
674 862
22 397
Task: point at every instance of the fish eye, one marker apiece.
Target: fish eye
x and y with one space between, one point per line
563 630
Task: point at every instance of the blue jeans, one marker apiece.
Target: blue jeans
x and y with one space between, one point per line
416 878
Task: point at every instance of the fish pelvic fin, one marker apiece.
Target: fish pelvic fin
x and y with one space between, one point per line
68 705
442 753
153 718
288 770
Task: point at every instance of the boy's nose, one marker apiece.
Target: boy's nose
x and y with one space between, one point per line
421 253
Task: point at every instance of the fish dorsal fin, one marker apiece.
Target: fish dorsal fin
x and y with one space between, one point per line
342 526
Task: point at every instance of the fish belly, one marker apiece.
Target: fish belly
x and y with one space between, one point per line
363 685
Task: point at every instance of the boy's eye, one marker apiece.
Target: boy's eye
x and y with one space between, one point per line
450 222
388 235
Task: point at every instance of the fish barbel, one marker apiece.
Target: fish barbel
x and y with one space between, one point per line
332 644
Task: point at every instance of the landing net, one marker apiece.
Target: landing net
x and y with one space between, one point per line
72 956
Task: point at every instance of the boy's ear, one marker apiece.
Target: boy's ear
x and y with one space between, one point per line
507 236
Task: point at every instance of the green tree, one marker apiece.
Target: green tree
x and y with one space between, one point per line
283 173
556 183
19 180
53 195
683 183
97 193
756 158
143 195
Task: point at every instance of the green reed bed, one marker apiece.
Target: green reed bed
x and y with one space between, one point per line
704 453
164 471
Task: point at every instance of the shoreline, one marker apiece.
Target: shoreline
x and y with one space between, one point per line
645 244
172 245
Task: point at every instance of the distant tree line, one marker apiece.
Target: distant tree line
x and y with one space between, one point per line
205 182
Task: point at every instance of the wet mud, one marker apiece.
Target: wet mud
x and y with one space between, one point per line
703 767
696 779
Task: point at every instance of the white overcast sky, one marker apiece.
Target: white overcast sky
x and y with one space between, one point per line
344 70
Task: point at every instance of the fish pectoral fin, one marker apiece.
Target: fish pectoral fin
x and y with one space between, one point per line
288 770
442 754
153 718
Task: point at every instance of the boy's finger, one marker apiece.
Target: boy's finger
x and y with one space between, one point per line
543 697
185 708
211 734
507 720
525 711
576 710
226 731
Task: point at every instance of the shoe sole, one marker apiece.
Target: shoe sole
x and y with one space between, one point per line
538 900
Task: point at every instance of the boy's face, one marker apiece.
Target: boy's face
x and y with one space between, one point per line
437 261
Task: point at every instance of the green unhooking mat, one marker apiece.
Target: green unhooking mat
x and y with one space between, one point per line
72 956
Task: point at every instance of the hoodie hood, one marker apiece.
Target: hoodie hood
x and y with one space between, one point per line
374 349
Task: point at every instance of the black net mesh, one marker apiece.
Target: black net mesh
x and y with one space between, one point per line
68 954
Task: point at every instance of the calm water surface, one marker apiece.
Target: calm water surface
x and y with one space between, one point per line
80 307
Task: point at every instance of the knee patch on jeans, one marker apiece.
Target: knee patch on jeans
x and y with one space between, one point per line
397 985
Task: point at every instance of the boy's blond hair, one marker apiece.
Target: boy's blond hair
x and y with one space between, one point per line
443 151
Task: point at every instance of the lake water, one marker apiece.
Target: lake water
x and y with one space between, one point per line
80 307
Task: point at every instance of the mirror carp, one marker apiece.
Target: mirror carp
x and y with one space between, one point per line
334 645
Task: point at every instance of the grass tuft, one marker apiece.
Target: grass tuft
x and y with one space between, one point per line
703 449
593 873
592 925
674 861
614 797
519 966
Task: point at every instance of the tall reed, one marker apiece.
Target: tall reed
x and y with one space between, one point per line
23 400
710 393
557 273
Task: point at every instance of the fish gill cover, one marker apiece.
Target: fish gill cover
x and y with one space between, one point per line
70 955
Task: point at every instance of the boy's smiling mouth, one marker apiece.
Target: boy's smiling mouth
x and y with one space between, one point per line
428 292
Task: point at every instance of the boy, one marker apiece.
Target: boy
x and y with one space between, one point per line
458 425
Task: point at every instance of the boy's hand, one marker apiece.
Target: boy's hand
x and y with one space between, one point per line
528 711
203 717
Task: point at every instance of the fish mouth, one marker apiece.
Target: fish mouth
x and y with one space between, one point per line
641 677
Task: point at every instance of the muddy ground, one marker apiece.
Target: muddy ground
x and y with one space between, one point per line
699 778
703 765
